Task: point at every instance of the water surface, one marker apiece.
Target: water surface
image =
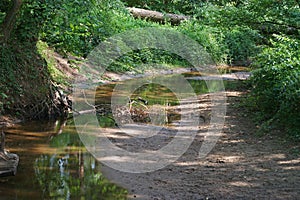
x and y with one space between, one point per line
54 165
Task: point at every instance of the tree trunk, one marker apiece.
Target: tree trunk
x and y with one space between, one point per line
9 20
157 16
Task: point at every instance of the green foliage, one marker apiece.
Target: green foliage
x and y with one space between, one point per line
8 78
48 54
30 19
23 80
4 6
276 84
266 15
242 44
78 26
138 60
212 39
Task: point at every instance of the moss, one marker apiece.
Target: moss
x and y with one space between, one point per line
48 54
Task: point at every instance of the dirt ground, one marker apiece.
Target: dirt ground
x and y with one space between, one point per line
241 166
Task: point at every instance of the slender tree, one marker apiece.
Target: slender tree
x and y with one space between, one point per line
9 21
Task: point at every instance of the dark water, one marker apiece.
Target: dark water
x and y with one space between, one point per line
54 165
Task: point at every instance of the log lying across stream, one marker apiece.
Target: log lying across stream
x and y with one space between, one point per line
157 16
8 161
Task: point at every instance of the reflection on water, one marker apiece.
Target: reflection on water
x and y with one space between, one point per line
54 165
143 105
150 103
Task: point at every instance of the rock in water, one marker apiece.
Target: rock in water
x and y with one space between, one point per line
8 167
8 161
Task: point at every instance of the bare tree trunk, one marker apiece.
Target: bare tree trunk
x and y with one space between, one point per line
157 16
9 21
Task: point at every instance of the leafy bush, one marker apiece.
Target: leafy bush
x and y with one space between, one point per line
24 81
212 39
137 60
77 26
229 30
8 78
25 86
276 84
241 43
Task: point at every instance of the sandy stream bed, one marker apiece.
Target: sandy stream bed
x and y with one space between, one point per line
241 166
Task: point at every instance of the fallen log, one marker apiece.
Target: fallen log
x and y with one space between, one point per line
157 16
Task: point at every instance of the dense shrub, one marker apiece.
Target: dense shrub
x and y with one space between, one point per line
19 69
276 84
79 26
242 45
211 38
8 78
25 82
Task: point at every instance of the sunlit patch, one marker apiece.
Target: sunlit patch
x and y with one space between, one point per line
234 93
259 169
286 162
275 156
292 168
229 69
187 163
290 164
234 141
232 159
240 184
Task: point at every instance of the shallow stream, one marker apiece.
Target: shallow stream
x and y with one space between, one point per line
54 164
